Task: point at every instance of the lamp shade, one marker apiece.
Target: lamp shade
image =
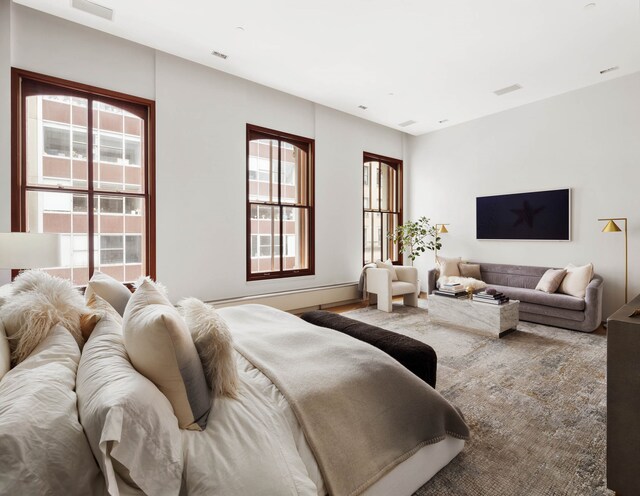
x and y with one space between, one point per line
20 250
611 227
442 229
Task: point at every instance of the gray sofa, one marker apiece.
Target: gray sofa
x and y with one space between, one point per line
518 282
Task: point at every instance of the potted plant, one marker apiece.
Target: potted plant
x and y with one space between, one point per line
412 237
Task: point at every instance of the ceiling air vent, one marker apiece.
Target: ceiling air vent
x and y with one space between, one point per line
93 9
363 107
610 69
443 121
223 56
406 123
508 89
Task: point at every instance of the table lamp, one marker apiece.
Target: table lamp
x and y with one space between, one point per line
20 250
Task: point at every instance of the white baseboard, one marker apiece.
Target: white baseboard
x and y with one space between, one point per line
300 300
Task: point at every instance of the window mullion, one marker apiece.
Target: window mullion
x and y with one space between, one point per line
90 193
280 207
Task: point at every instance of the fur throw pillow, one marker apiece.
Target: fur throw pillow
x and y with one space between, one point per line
39 302
465 281
214 343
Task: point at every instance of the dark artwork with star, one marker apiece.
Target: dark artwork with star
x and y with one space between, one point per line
538 215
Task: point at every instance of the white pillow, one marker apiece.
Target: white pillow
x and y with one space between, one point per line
214 343
551 280
6 291
5 354
44 449
160 347
39 302
130 424
389 266
109 289
448 266
576 280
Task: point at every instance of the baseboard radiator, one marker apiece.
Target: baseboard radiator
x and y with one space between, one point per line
300 300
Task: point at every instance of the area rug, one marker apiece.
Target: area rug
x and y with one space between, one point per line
535 402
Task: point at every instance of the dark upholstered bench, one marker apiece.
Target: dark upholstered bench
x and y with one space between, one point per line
416 356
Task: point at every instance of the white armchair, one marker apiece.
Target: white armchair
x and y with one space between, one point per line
380 284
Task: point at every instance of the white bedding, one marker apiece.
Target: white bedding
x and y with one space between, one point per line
43 449
256 446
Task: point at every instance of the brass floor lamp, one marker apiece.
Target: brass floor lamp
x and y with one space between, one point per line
440 229
613 227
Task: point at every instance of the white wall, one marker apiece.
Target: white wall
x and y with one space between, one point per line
201 179
5 124
588 140
201 119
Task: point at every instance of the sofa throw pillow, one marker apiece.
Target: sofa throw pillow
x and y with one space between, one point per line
109 289
448 266
160 347
550 281
5 354
39 302
214 343
576 280
470 270
389 266
121 411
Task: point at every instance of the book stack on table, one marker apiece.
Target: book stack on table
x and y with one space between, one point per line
496 298
451 290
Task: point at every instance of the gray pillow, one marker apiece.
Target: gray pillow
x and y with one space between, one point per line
470 270
550 281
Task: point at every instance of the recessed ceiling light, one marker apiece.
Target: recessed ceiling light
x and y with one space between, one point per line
508 89
239 28
390 93
362 107
609 69
220 54
589 6
443 121
93 9
406 123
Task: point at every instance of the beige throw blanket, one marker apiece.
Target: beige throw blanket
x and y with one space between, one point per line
361 411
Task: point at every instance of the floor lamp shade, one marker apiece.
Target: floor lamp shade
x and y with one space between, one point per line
29 250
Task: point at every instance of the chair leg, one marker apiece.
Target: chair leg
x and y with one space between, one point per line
385 304
410 300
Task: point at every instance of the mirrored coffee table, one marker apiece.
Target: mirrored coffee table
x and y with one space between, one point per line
484 318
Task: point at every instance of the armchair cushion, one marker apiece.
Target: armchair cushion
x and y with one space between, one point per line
400 288
388 265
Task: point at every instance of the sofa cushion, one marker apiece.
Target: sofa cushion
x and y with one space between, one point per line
448 266
470 270
540 298
551 280
527 309
516 276
576 280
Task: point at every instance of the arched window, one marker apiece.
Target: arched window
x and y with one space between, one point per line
83 168
279 204
382 207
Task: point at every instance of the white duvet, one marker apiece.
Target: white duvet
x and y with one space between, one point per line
253 445
43 449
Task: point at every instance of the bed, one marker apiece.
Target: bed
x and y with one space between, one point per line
318 412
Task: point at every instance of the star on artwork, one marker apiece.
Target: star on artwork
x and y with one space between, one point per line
525 214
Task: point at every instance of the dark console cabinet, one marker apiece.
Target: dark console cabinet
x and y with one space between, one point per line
623 401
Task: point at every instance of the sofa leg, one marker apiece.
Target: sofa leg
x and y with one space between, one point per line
385 304
410 300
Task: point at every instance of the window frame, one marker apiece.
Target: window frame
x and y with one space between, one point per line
142 107
258 132
396 164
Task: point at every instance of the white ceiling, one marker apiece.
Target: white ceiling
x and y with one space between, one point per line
421 60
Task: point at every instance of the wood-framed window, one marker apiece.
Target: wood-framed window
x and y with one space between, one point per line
280 216
382 207
83 167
